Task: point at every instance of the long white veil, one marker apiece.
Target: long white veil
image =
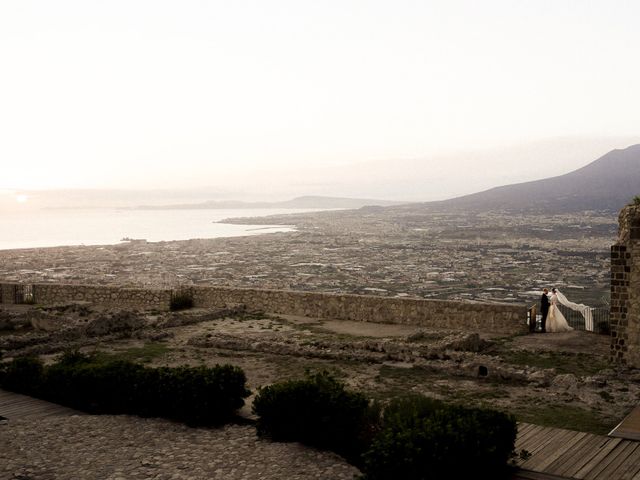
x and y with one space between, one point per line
579 307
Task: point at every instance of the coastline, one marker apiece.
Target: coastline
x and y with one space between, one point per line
347 252
81 227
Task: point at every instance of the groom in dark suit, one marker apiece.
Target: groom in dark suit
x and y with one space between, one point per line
544 310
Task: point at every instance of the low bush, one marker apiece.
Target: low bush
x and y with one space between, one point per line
316 411
415 438
196 395
96 387
424 439
22 375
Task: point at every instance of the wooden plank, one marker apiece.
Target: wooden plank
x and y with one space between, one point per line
632 466
531 432
528 475
25 407
608 445
16 401
31 403
20 400
539 445
563 451
615 470
528 435
14 405
607 460
20 408
526 440
557 443
560 453
629 428
524 428
527 429
543 438
528 446
582 453
21 412
609 471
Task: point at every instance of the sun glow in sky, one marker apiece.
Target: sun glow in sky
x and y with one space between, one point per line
192 93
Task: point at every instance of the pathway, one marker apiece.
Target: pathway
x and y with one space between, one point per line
44 441
14 406
629 428
560 453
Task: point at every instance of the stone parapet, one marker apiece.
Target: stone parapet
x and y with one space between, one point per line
500 318
470 316
7 293
142 298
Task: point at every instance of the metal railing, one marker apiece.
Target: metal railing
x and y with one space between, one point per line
17 294
600 319
576 320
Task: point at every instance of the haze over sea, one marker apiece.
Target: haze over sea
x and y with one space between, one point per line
63 227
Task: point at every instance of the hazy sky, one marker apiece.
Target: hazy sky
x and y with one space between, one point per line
304 96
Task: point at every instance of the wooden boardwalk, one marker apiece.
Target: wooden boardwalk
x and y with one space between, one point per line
560 454
14 406
629 428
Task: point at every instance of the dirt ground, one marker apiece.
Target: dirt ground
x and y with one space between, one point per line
556 379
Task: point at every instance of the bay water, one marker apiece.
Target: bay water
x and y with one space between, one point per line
63 227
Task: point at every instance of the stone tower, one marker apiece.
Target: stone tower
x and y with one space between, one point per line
625 289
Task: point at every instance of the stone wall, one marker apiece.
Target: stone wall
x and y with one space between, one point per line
7 293
472 316
625 290
368 308
50 293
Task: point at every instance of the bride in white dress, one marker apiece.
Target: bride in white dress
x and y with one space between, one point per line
555 319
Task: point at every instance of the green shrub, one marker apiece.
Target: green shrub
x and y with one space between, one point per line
424 439
316 411
75 357
22 375
95 387
417 437
196 395
636 200
181 301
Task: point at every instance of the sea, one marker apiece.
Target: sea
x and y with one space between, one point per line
64 227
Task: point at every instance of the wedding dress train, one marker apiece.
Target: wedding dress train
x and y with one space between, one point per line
578 307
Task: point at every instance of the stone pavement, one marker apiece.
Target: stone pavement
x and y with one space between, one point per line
106 447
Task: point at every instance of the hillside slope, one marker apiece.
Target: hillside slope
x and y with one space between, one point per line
608 183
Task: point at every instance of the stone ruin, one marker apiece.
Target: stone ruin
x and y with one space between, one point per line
625 290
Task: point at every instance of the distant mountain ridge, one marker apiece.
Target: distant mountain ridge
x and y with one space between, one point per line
308 201
608 183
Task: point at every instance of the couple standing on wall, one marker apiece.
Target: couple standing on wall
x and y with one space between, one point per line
552 318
